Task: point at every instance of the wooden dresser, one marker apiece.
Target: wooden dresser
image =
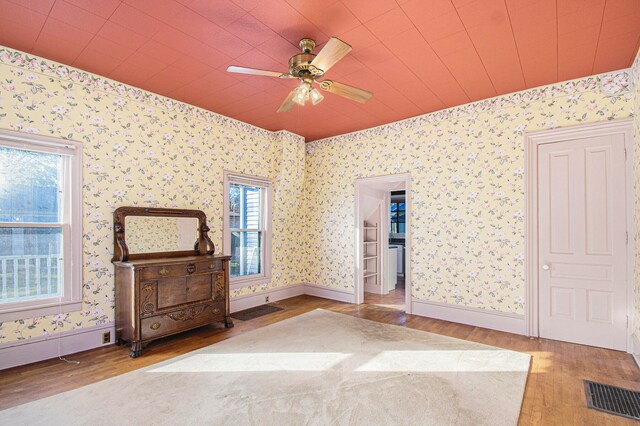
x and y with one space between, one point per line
160 294
159 297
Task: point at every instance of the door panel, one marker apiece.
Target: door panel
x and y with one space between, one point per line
598 200
582 241
561 202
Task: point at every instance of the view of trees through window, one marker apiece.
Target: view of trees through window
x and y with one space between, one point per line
246 225
31 231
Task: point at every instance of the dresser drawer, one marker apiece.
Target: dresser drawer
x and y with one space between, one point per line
183 319
180 270
210 266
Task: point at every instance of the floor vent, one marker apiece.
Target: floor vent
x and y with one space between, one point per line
249 314
614 400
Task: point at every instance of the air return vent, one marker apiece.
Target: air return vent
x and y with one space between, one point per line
611 399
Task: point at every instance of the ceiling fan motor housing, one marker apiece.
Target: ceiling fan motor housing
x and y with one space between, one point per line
300 64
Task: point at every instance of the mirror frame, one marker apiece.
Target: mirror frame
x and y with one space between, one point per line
204 246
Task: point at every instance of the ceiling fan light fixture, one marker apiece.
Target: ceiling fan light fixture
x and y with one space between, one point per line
301 94
316 96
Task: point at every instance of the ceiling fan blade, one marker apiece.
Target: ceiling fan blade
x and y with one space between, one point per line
332 52
253 71
346 91
287 104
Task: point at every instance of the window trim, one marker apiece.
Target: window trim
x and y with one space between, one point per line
71 203
267 184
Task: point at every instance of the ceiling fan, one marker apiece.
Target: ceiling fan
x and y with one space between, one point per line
308 67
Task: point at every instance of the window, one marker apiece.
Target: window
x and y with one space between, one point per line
247 233
40 226
397 217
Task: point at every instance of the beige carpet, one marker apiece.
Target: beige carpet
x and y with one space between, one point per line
319 368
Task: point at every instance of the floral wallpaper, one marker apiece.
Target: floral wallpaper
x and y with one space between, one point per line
146 150
467 189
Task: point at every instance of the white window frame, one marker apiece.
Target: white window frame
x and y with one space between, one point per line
267 203
71 205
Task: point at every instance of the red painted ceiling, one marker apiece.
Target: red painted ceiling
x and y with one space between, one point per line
416 56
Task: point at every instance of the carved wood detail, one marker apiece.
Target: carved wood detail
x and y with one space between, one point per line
188 314
220 286
147 305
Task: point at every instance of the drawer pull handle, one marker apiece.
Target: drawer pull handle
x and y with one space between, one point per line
191 268
164 271
155 326
216 310
212 266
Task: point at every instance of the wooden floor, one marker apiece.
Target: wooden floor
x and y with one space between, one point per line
554 394
395 299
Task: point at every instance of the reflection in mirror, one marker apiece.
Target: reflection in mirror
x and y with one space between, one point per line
161 234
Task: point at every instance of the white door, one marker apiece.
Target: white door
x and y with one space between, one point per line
582 241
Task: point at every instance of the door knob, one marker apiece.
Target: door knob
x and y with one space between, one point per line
545 267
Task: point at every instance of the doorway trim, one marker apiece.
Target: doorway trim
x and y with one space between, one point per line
359 281
531 143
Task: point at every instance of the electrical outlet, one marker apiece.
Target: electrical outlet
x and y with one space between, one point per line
106 337
266 299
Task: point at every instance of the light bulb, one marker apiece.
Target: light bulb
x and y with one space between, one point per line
301 94
299 99
316 96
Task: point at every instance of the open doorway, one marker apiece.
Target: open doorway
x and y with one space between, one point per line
383 241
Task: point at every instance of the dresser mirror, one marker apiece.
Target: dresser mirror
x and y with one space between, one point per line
150 234
143 232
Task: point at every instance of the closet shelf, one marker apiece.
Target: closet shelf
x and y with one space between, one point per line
370 246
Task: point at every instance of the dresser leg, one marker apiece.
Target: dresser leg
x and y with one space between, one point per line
136 349
227 322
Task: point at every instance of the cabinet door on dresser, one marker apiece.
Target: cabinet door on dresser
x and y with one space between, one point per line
178 291
167 294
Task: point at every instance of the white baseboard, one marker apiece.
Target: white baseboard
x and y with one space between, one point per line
256 299
329 293
635 339
40 348
501 321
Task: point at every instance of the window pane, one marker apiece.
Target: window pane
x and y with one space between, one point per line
394 216
394 228
246 253
30 263
29 186
245 203
394 207
401 216
401 206
401 228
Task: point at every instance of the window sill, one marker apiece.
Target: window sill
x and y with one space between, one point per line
242 282
39 308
